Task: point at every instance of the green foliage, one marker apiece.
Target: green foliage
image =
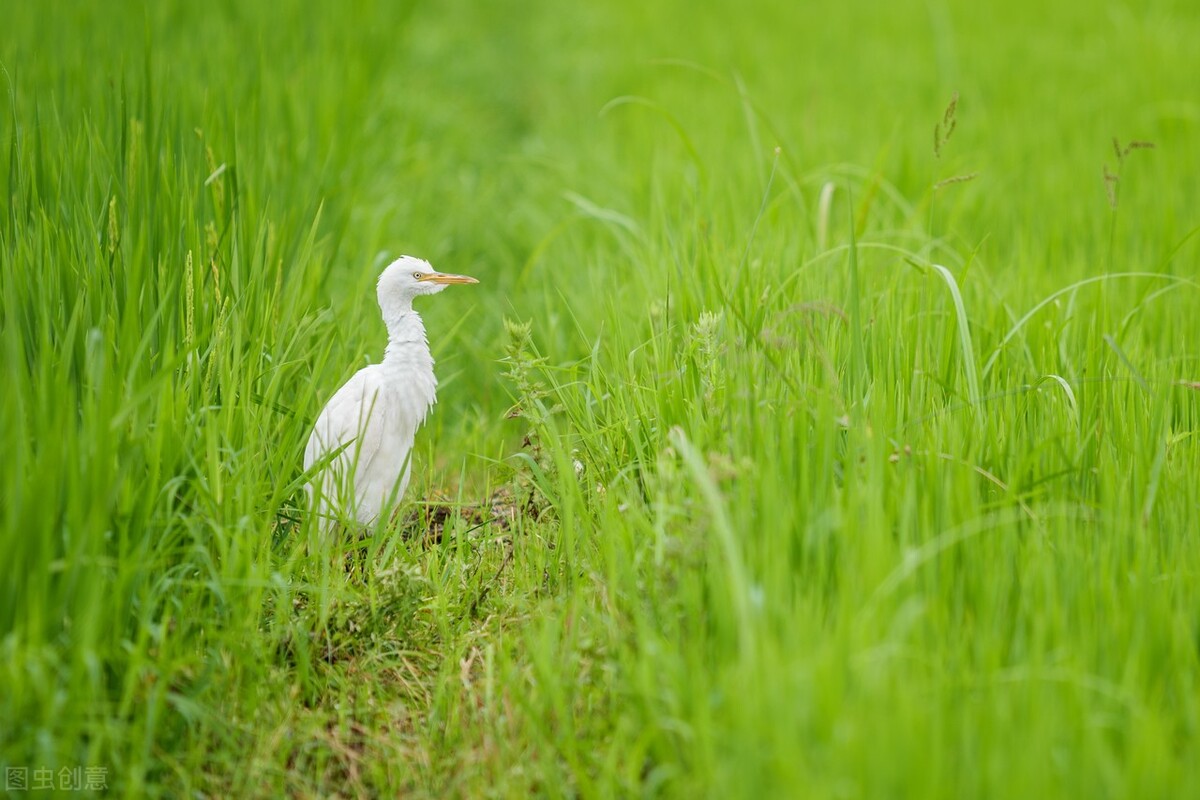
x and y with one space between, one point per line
746 506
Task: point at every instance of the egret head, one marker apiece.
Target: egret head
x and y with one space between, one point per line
408 277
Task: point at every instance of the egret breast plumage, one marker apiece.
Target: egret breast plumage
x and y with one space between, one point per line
362 441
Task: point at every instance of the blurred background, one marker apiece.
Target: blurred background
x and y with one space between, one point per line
198 197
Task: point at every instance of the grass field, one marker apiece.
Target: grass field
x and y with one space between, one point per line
787 448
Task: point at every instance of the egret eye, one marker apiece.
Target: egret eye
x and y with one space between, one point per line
417 275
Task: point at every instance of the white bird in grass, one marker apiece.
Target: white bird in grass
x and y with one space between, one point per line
366 431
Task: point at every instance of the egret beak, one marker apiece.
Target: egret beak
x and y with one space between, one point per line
444 278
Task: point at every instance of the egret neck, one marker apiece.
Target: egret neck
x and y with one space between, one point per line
408 362
407 344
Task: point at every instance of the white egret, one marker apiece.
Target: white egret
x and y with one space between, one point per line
367 429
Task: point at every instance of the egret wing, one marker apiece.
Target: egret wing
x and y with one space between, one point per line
350 424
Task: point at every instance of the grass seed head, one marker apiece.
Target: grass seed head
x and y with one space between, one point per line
942 131
970 176
1110 187
189 334
114 232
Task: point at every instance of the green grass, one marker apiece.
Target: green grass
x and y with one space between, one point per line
823 482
